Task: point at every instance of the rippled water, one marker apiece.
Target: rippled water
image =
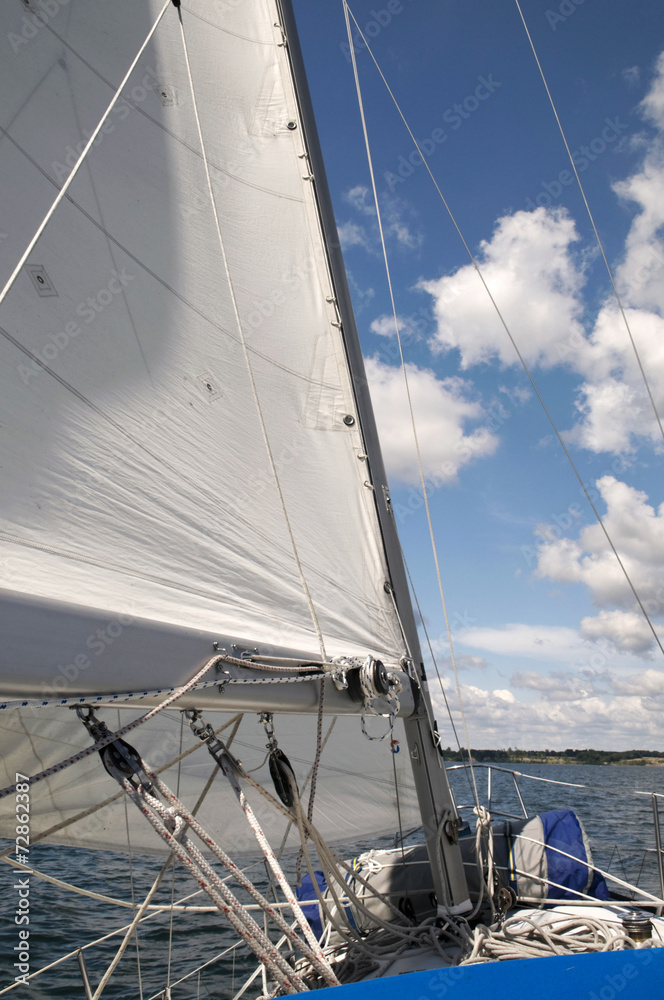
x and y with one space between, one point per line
619 823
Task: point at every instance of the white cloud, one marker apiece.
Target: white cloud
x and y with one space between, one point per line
614 404
395 227
361 200
410 327
463 661
556 686
537 280
631 75
443 408
637 531
352 235
529 269
652 105
496 718
537 642
627 630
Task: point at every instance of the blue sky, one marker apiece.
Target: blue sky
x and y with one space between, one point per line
550 649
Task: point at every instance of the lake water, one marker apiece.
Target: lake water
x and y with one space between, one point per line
619 823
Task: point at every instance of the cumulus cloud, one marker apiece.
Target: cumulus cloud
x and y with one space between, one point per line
536 277
614 404
530 270
637 531
627 630
496 718
443 410
557 686
613 401
360 199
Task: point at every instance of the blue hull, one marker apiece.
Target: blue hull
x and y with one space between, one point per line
616 975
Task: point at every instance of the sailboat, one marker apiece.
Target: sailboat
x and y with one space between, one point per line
198 537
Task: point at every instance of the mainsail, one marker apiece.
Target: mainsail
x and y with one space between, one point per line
181 455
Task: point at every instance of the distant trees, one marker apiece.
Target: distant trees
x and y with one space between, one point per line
586 756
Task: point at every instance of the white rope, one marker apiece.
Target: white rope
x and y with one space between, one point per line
88 146
131 930
97 941
317 954
545 933
113 798
111 737
218 892
247 359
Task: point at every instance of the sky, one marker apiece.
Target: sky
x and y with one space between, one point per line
551 648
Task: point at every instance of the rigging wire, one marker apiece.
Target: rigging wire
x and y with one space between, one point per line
420 465
468 771
505 326
592 221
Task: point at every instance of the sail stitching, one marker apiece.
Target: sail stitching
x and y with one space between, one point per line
250 373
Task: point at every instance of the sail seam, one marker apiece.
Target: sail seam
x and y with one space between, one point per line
250 372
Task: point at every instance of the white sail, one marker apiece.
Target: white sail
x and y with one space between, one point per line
136 477
180 452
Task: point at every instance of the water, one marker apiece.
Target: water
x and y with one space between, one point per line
620 826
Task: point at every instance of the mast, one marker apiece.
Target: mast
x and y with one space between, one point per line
433 790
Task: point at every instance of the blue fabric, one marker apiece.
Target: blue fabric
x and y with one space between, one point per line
562 830
312 912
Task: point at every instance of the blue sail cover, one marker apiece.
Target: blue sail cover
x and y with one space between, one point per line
563 831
